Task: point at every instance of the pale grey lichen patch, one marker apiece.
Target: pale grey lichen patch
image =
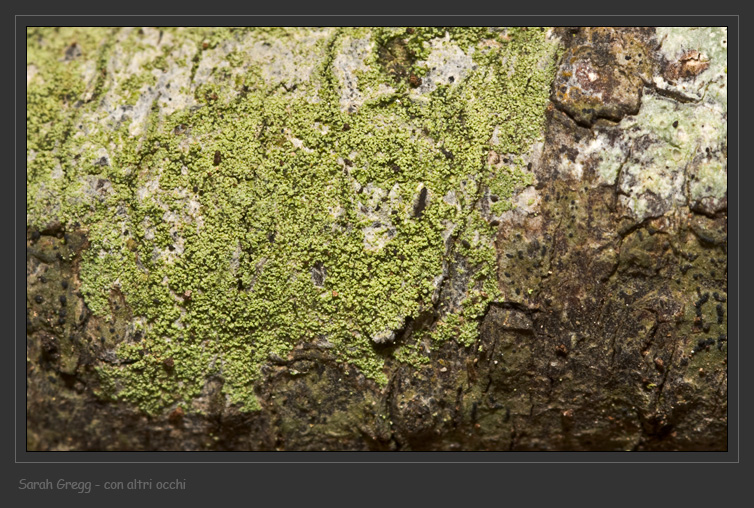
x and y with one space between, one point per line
235 259
171 89
612 154
167 83
376 214
346 64
211 61
458 279
673 153
141 111
495 138
289 62
666 137
297 142
704 51
50 192
31 72
288 59
88 70
447 233
606 153
96 189
572 168
377 235
447 64
526 202
451 199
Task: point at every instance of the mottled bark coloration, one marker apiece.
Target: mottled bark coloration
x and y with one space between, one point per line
377 239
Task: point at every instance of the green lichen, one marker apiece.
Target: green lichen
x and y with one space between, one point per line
416 39
211 221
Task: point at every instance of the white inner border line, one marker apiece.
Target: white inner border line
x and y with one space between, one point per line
15 235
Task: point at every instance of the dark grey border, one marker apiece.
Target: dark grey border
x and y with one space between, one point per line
21 456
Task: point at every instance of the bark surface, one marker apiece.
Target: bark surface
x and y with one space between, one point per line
593 318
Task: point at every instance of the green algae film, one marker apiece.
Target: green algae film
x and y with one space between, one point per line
263 215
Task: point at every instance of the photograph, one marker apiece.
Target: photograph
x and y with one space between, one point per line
375 239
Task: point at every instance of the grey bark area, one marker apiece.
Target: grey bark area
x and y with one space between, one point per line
611 332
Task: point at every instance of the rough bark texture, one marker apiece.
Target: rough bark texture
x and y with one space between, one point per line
600 325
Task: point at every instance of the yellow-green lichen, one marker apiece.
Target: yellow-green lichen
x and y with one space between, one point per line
212 219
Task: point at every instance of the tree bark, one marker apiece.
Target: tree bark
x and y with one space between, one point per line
523 245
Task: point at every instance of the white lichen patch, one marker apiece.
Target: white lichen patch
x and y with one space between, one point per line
148 189
608 153
495 139
527 201
235 259
447 234
168 85
299 144
673 153
31 72
376 236
704 51
171 89
447 64
347 63
450 198
375 213
289 62
571 168
667 137
288 59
